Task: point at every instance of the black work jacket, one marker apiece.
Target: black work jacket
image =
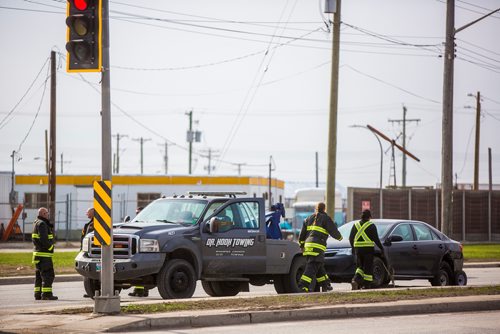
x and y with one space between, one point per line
87 228
43 239
315 232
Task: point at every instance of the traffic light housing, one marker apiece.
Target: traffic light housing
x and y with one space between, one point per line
84 36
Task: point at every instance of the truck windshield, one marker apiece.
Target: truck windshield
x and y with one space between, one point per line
174 211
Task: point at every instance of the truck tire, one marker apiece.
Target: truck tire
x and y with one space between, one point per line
279 284
90 286
291 280
207 287
221 289
176 280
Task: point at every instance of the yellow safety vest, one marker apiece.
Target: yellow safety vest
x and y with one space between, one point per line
361 239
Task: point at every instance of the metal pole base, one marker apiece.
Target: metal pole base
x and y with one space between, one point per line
107 304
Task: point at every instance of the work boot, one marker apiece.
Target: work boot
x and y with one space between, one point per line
86 296
49 296
355 285
38 296
133 294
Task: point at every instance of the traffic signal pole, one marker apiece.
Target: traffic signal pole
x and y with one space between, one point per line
107 302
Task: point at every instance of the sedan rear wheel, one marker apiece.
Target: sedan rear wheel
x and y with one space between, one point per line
379 273
443 276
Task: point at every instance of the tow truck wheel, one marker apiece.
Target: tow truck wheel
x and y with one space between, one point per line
279 284
207 287
176 280
90 286
226 289
291 280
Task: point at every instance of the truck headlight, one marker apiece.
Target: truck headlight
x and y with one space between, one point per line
86 244
148 246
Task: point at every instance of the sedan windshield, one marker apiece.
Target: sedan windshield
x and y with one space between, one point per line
172 211
382 227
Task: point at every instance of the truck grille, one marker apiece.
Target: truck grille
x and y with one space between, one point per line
124 246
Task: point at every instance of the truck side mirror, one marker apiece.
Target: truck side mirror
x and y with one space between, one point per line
213 225
126 219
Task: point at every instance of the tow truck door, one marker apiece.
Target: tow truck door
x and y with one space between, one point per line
237 242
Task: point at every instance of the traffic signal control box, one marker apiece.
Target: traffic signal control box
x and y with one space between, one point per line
84 36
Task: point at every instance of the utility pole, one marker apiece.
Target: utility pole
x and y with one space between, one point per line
271 168
63 162
476 151
238 166
404 121
447 119
141 140
332 123
490 183
117 161
165 157
210 155
190 140
52 147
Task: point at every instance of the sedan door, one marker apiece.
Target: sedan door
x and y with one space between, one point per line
402 254
430 250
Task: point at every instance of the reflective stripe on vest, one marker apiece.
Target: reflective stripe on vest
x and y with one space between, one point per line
37 236
317 229
43 254
366 242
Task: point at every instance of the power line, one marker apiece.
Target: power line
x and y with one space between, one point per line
37 112
249 96
24 95
392 85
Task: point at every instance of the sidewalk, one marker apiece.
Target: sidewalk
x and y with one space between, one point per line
31 321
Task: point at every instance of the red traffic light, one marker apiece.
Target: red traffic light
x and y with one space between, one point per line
81 4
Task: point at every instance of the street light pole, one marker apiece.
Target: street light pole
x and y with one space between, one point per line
381 162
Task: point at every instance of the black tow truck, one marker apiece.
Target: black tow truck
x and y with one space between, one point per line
214 237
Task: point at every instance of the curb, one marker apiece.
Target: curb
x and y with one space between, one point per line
429 306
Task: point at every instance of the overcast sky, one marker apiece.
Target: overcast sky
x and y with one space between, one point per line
257 76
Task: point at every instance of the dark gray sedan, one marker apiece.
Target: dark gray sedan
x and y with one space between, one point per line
413 250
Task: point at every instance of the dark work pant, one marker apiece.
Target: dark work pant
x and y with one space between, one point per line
364 266
315 268
44 276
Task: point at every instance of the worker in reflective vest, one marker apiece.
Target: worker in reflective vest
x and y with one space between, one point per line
43 250
363 238
312 240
